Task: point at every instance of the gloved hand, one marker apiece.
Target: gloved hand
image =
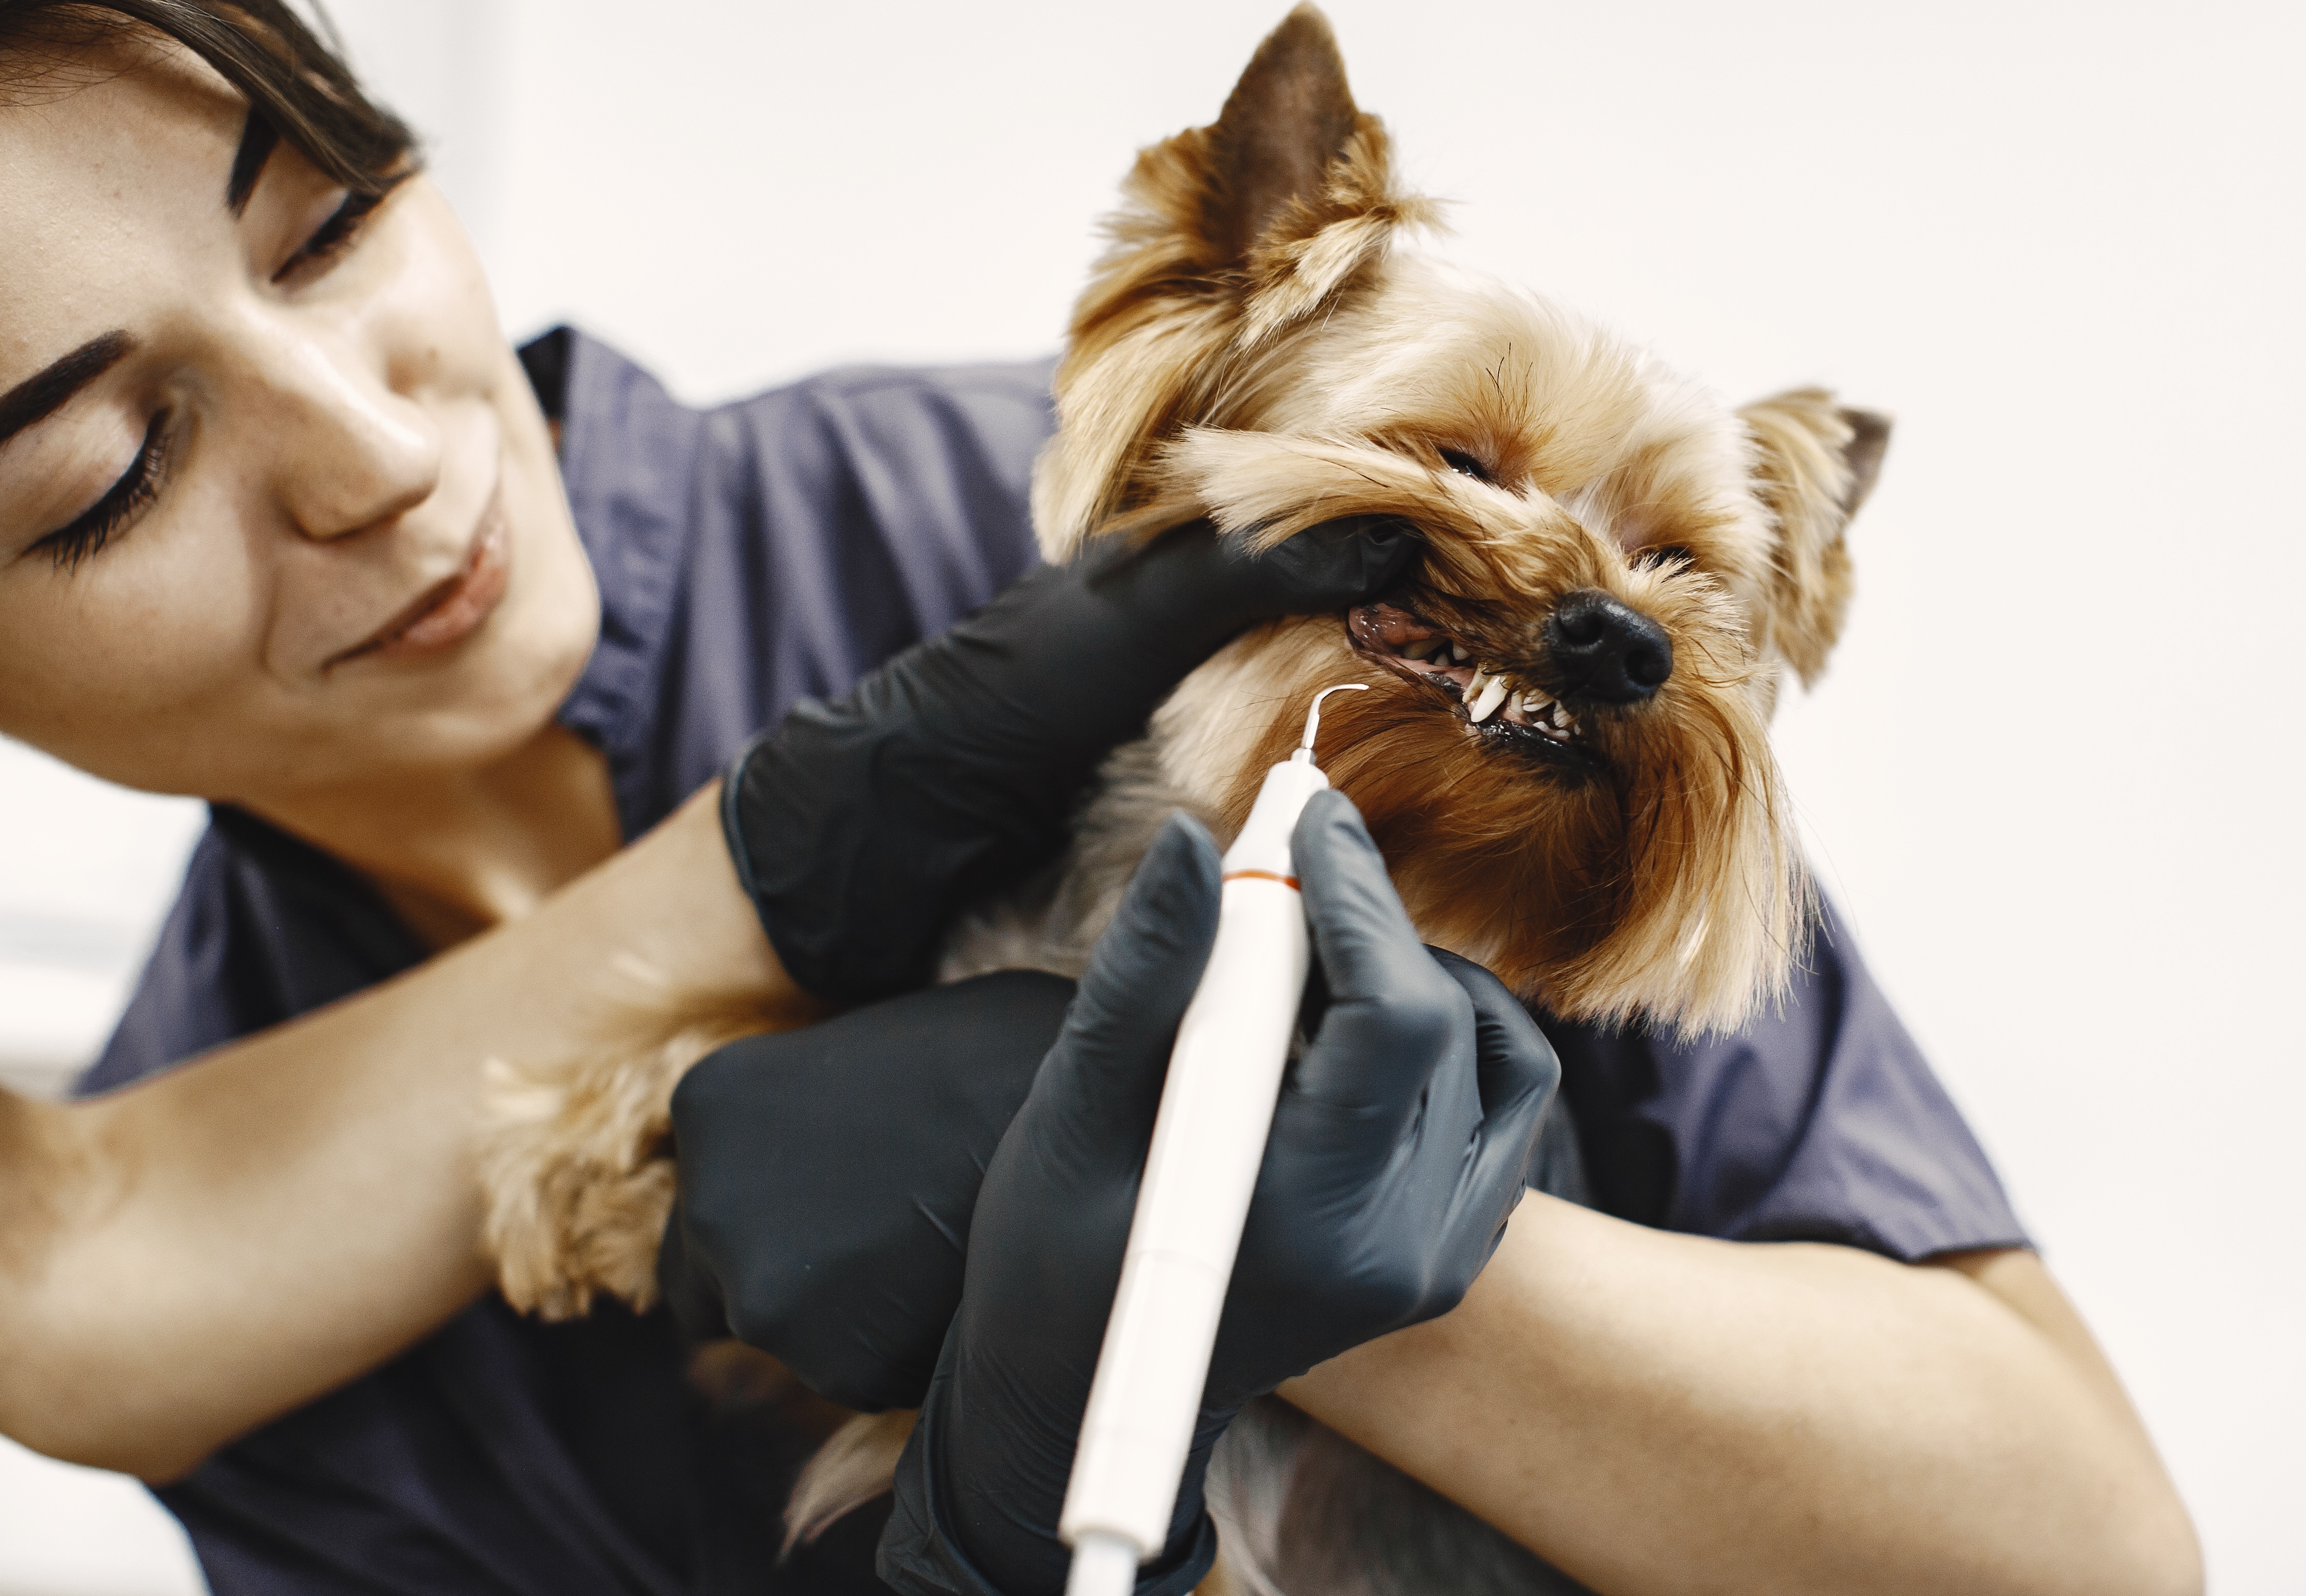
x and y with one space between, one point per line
1396 1154
827 1176
861 827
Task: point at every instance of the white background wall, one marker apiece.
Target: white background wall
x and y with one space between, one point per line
2053 775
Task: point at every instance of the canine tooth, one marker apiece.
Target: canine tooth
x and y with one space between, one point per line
1491 696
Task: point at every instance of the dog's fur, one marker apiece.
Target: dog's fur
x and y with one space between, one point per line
1254 349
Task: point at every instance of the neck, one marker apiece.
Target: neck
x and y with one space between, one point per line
458 852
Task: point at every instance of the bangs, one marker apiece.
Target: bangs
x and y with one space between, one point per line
298 87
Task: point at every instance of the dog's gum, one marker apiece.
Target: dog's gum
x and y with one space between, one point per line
1383 628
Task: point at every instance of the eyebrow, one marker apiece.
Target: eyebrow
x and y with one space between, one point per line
258 140
42 395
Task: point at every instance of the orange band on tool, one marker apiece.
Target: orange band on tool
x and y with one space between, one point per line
1287 881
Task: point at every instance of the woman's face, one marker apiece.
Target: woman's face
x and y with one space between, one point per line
277 509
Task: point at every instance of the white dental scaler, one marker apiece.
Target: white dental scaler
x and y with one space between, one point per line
1209 1138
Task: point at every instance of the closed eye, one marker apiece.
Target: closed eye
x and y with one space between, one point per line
120 509
337 234
1662 554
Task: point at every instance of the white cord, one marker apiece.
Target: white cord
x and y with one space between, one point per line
1103 1566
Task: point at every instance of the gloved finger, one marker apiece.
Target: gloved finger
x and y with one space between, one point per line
1392 1014
1449 1114
1103 1076
1331 566
1517 1073
1516 1058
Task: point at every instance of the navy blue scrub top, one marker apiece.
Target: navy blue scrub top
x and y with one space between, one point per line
749 556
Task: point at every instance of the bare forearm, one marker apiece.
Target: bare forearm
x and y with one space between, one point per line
189 1258
1666 1414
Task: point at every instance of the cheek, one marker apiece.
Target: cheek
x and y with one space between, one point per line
144 666
431 313
1245 709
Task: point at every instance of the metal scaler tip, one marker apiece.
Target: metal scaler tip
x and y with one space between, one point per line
1304 754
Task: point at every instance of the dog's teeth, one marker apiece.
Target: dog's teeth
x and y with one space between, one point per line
1458 652
1491 696
1423 649
1535 704
1475 684
1564 719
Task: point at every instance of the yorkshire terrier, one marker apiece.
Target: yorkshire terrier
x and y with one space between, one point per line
1563 753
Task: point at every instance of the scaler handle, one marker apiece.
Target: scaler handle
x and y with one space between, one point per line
1208 1139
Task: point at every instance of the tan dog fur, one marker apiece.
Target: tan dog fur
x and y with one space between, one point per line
1255 349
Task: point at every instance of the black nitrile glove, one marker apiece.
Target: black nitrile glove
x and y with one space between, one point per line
827 1175
1397 1155
862 826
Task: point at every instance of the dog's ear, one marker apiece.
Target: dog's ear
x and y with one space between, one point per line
1227 236
1286 120
1815 464
1297 182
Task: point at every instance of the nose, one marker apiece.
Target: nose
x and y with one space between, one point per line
1605 653
350 451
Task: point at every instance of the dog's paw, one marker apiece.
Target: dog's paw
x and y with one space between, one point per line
575 1183
575 1156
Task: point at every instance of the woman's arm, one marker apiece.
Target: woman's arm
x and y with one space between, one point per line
184 1261
1668 1413
188 1257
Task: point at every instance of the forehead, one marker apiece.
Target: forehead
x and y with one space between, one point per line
1435 345
1477 361
1542 397
112 175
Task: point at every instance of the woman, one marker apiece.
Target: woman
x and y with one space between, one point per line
282 526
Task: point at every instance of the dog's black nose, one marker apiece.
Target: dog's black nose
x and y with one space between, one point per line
1605 653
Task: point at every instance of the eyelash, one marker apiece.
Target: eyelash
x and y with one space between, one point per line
332 237
112 515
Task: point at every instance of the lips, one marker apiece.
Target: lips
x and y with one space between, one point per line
452 609
1493 701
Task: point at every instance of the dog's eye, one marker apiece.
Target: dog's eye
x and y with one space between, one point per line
1665 554
1464 464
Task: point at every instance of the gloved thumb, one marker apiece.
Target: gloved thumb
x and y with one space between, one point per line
1102 1080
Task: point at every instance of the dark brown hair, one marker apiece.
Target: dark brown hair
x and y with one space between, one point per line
298 87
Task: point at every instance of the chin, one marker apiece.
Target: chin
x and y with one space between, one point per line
495 690
1563 750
